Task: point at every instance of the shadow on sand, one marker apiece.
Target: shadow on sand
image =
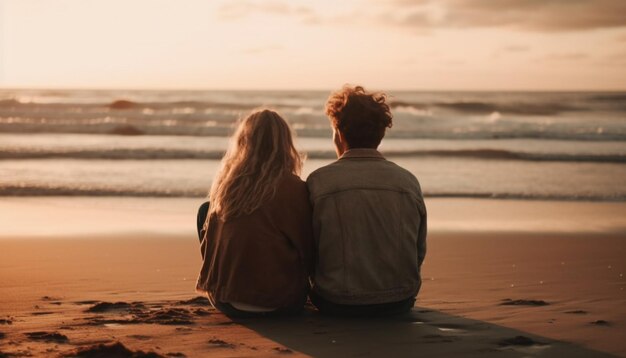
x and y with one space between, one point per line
422 333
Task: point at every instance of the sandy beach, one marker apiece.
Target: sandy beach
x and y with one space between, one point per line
502 278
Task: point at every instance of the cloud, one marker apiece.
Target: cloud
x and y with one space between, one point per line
515 48
261 49
510 50
614 59
566 56
533 15
239 9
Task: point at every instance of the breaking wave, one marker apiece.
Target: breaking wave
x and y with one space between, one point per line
172 153
41 190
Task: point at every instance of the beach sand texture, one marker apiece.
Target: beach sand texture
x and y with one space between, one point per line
550 285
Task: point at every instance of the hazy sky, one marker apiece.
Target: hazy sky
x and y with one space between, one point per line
319 44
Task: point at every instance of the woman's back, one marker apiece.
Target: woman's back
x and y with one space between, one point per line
257 246
263 258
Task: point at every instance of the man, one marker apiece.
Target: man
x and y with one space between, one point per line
369 218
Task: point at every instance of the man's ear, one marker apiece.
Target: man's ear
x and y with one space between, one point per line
339 141
339 136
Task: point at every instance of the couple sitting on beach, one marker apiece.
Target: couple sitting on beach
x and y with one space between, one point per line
352 238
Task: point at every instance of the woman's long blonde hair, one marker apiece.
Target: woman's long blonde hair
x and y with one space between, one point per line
260 154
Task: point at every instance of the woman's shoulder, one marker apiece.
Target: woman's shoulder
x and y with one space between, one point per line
290 185
292 198
292 179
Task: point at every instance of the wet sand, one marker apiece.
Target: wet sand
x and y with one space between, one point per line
502 278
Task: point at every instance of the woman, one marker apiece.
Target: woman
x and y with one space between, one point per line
256 240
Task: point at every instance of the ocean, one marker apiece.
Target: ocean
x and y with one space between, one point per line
525 145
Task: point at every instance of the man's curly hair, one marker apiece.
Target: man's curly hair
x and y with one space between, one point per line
362 117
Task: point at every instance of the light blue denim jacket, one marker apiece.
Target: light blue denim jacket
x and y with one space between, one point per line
369 223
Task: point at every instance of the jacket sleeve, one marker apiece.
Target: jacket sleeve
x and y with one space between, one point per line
201 225
423 229
422 233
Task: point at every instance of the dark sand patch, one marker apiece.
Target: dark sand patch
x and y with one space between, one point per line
412 319
196 301
577 312
201 312
601 322
283 350
510 302
6 321
43 313
47 337
432 336
176 355
140 337
2 335
170 316
102 307
521 341
221 344
49 298
116 349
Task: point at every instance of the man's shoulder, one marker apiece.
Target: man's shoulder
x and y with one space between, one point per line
344 174
405 173
321 171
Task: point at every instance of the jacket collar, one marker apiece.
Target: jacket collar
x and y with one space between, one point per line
362 153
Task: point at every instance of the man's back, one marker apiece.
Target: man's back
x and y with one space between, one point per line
369 221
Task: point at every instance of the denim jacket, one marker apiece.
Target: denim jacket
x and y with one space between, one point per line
369 224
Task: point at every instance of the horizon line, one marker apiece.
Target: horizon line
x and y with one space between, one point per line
215 89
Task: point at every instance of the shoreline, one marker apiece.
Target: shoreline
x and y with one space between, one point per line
35 216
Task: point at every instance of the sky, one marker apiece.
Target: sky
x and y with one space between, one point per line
320 44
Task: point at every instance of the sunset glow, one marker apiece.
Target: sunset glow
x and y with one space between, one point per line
245 44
